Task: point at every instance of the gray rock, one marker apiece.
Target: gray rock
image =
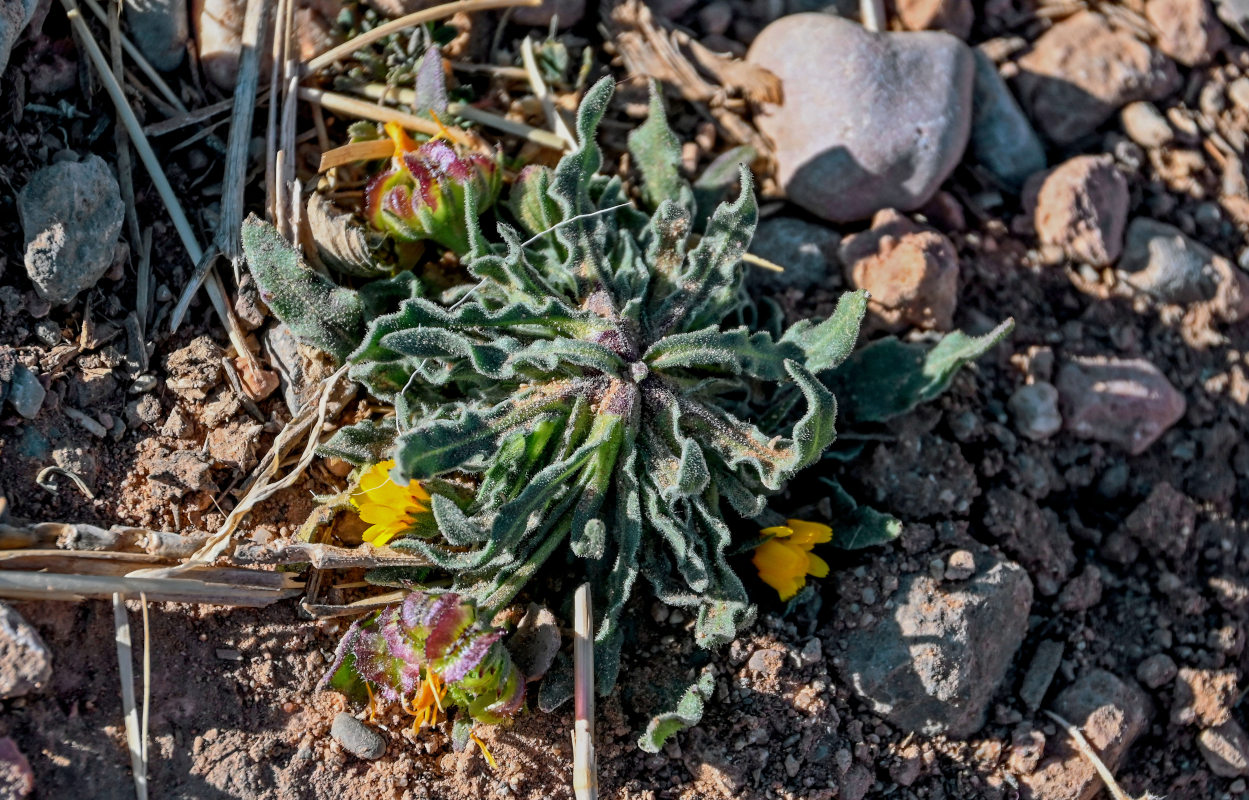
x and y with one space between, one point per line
1036 681
357 738
1160 260
1235 14
1081 71
71 214
1156 671
1111 714
25 662
160 29
1127 402
15 15
1035 409
1226 749
808 253
869 120
1002 138
1145 125
26 393
536 641
934 664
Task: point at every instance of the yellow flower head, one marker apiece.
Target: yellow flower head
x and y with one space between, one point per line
390 509
785 560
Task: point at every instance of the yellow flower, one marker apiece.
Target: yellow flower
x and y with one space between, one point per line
785 560
390 509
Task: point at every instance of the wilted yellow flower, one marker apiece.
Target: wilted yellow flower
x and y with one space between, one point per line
785 560
390 509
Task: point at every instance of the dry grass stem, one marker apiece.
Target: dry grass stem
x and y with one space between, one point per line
142 63
540 90
324 556
487 119
206 585
125 672
323 611
354 107
216 292
234 181
409 21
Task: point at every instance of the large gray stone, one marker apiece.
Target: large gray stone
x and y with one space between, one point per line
869 120
71 214
933 665
1002 138
15 15
160 29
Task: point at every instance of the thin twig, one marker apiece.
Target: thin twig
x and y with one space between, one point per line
345 104
193 117
271 126
231 587
487 119
409 21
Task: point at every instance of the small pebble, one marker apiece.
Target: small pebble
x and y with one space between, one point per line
1238 93
1156 671
960 566
1035 408
357 738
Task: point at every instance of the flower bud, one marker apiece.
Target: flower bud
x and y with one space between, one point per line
421 195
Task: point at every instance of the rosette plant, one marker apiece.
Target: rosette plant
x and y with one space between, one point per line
608 388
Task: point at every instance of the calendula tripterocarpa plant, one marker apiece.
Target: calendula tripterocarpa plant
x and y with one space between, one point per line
608 386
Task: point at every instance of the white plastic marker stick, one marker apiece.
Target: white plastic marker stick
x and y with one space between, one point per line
872 14
584 765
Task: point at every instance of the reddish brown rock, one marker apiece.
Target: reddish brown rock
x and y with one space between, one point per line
1111 714
1187 30
1127 402
951 16
910 271
1080 207
1082 71
1204 697
1164 521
